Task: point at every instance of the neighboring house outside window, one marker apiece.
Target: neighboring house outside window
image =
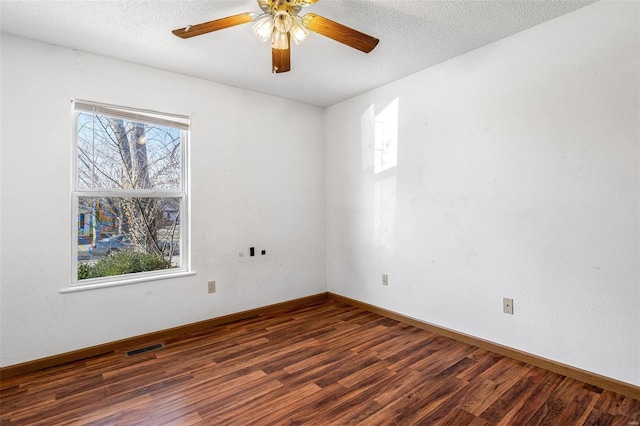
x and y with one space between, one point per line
129 194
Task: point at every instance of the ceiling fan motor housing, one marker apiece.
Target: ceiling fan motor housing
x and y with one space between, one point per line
275 6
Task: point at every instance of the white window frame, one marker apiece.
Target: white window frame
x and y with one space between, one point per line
145 116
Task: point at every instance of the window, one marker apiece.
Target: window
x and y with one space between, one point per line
129 194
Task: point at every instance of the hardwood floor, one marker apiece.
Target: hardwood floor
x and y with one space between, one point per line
330 363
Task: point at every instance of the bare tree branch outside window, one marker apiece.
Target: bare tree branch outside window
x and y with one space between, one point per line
119 155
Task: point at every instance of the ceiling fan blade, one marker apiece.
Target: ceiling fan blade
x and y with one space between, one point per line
281 59
218 24
340 33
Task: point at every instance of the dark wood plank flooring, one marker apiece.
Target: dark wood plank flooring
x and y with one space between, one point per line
326 364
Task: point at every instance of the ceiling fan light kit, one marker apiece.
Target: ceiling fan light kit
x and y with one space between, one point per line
280 23
280 40
263 28
298 31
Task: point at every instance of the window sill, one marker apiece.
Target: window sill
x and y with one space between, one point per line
126 281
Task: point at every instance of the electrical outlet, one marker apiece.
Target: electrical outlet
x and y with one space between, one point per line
212 286
507 305
385 279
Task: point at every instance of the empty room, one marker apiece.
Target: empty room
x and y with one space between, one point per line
320 212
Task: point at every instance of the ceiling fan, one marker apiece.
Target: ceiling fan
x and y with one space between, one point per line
280 23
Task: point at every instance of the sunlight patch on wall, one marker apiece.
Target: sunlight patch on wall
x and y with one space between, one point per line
367 137
379 156
386 138
384 215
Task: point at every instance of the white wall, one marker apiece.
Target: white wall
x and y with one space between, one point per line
517 176
251 186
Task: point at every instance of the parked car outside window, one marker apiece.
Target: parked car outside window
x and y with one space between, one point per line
112 244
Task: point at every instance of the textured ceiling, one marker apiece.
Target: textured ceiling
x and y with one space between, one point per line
413 35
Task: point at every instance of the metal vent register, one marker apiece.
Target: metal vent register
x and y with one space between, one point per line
155 347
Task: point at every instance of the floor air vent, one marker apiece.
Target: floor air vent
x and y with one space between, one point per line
155 347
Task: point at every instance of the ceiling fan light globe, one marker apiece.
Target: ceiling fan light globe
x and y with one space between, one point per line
283 21
263 28
298 32
279 40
